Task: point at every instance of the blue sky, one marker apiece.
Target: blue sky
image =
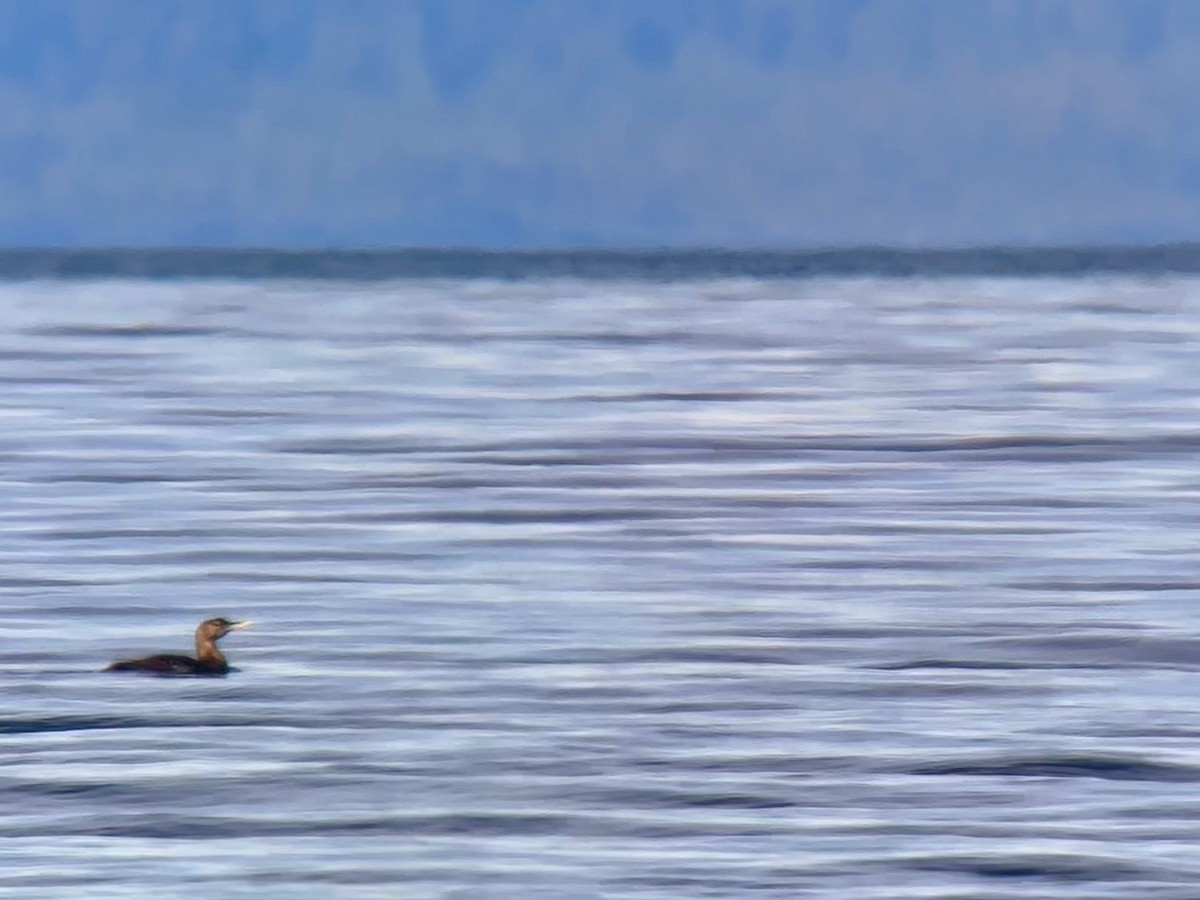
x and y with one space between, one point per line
598 122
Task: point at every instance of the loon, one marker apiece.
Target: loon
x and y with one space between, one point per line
209 659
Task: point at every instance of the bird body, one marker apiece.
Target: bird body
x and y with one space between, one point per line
209 658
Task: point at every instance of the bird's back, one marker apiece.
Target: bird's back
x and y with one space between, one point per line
167 664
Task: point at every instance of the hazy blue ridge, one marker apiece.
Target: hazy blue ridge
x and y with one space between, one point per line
535 123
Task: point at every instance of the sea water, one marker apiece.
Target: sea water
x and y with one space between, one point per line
628 587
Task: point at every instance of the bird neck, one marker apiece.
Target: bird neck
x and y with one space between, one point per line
207 652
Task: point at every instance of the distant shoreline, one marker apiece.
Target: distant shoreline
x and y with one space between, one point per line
21 264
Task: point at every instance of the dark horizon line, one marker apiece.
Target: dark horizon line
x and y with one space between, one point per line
665 263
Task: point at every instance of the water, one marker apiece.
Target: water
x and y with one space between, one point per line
581 589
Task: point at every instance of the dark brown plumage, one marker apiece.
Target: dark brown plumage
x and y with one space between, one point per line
209 659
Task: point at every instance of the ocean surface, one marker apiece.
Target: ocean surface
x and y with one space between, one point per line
569 588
